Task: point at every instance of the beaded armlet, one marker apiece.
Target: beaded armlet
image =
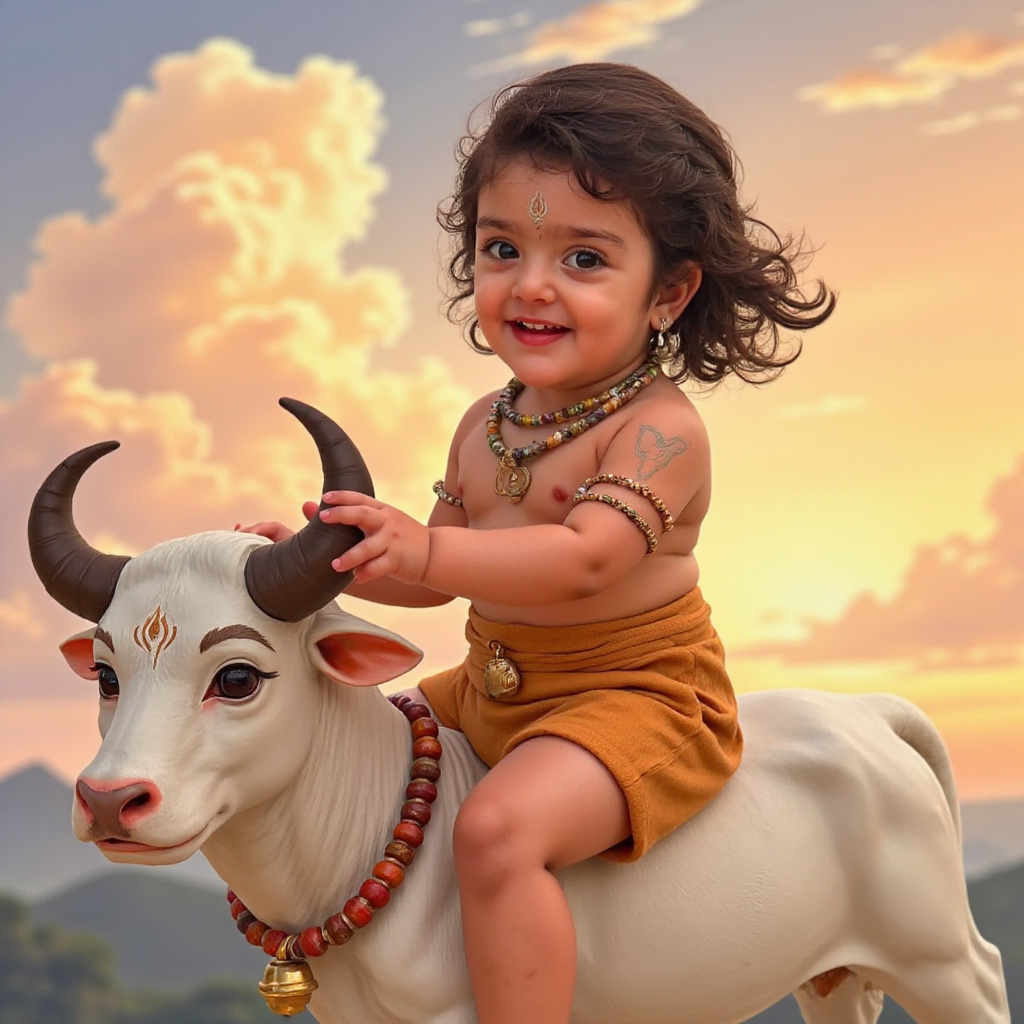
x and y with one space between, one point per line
445 496
667 522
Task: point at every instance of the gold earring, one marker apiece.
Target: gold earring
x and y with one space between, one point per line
664 345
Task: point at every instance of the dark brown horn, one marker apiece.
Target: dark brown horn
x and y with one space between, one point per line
293 578
74 574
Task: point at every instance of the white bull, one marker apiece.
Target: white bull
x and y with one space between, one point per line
836 844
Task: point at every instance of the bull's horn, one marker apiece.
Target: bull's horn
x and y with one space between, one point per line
293 578
74 574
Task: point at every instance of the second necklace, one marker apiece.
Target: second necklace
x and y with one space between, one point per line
512 480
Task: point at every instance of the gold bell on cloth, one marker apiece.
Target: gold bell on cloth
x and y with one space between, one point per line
501 677
287 986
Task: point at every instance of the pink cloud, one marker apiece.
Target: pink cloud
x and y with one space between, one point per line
960 604
594 31
871 87
212 286
217 273
920 78
965 55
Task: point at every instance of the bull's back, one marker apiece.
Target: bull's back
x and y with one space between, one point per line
776 879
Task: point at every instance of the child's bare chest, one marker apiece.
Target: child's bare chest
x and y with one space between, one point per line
554 475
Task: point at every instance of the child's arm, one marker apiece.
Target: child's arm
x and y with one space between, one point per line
383 589
591 551
393 591
389 589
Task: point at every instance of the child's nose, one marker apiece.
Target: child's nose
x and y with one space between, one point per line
534 282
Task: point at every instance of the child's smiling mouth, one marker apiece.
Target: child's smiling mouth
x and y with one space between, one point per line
533 332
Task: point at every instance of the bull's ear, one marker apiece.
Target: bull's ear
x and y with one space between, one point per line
77 651
359 653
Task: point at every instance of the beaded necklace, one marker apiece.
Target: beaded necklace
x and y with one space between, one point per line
513 480
288 982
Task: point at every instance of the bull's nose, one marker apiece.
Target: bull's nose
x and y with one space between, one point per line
113 813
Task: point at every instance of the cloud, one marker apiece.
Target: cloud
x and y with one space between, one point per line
1004 112
922 77
971 119
593 32
965 55
215 283
887 51
870 87
495 26
219 271
952 125
959 604
19 617
829 405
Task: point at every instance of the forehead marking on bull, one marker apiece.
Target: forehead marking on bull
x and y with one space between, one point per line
155 635
104 637
235 632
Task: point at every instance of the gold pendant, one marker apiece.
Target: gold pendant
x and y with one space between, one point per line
501 677
512 481
287 986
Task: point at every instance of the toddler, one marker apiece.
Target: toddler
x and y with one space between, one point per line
598 232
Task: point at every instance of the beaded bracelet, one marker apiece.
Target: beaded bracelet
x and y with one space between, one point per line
445 496
627 510
667 522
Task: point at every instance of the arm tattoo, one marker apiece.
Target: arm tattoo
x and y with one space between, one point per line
655 451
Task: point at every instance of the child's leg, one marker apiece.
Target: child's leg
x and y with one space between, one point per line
547 805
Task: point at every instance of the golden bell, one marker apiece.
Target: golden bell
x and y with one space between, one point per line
287 986
501 677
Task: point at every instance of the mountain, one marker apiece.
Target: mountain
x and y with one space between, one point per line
993 835
39 854
165 934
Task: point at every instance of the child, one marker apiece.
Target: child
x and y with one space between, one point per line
598 231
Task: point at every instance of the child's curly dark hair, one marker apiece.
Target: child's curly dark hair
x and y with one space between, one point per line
629 136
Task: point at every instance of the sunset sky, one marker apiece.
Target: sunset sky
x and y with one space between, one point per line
206 205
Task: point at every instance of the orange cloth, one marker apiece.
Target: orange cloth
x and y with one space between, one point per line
648 695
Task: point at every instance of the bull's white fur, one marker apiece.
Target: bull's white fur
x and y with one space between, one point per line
836 844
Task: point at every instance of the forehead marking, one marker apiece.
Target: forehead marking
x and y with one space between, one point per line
538 208
235 632
155 635
104 637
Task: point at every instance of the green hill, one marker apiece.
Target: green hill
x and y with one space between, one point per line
165 935
49 975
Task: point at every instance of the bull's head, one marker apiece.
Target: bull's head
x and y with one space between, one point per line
190 636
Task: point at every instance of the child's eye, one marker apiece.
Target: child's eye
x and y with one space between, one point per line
501 250
584 259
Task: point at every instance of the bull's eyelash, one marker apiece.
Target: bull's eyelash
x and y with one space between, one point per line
258 671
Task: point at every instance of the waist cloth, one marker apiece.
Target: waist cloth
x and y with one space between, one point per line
648 695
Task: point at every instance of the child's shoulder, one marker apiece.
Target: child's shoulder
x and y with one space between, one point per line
482 406
476 414
664 408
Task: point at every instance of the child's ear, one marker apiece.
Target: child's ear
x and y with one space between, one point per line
672 299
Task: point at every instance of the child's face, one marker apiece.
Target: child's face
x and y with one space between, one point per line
562 281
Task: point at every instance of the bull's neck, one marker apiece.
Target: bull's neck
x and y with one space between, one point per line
297 858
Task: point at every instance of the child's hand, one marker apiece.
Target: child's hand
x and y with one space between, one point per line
277 531
394 543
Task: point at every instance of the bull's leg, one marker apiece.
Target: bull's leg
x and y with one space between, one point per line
839 997
969 989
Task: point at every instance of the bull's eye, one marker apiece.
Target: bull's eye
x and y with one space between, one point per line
237 682
107 679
